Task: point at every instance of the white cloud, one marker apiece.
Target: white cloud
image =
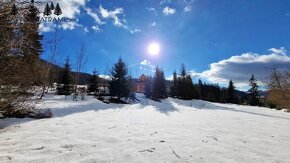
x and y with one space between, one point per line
187 8
97 19
240 67
69 25
153 24
132 31
168 11
86 30
96 28
145 62
192 73
71 9
118 18
46 27
112 14
144 65
94 16
281 50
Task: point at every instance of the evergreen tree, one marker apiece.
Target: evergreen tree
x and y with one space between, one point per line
174 88
66 80
6 29
148 88
231 96
190 91
93 85
159 87
31 47
119 84
223 95
253 97
201 89
185 85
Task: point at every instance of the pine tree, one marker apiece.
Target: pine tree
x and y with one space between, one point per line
66 80
190 92
201 89
159 87
253 97
184 84
119 84
174 90
231 96
93 85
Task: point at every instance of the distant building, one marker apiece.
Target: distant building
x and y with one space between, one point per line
140 85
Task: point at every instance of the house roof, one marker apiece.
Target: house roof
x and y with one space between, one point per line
143 78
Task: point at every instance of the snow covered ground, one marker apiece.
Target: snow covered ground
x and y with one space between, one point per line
171 131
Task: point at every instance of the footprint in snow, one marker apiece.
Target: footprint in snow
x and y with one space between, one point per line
148 150
67 146
40 148
214 138
154 133
112 127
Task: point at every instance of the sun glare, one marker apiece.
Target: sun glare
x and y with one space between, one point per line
154 49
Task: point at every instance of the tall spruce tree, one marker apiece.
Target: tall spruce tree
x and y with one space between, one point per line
190 91
253 97
66 80
201 89
93 85
159 86
231 96
174 89
31 47
119 84
184 84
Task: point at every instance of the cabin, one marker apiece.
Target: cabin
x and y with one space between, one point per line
140 85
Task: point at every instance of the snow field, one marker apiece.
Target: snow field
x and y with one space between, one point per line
170 131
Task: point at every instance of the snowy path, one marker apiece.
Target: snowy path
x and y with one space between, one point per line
171 131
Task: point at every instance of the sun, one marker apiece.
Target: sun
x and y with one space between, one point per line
154 48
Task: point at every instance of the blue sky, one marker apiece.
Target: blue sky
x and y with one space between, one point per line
237 37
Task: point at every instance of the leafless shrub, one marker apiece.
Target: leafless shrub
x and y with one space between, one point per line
279 89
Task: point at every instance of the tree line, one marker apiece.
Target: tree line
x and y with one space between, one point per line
181 87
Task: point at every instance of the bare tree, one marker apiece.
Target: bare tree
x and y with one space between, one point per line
279 88
54 52
81 60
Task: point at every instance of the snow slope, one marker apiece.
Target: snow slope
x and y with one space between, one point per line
171 131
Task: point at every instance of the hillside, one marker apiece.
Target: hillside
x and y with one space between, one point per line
170 131
84 77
